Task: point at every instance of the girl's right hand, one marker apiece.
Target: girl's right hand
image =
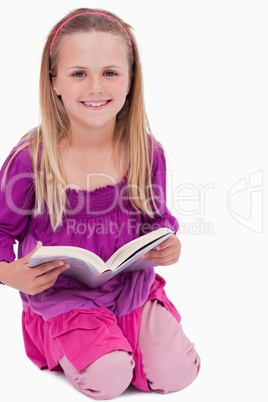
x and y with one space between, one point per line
32 281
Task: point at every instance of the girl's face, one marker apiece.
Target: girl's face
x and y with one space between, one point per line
93 79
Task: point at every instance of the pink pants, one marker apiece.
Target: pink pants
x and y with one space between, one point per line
169 359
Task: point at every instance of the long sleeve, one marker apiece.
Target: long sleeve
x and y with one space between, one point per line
16 201
164 218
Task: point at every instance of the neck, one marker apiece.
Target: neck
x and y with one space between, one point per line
92 139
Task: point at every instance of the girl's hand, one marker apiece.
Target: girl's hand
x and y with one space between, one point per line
166 253
32 281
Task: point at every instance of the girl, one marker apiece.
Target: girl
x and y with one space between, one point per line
93 176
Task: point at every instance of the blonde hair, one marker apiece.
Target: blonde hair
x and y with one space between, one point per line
131 129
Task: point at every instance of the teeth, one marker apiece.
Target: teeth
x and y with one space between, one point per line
95 104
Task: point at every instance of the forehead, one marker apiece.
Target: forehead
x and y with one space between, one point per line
92 47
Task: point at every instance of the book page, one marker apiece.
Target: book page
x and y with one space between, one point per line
64 252
131 248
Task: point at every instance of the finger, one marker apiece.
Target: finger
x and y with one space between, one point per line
169 242
165 244
160 260
46 280
171 262
42 269
161 249
162 257
37 247
163 263
159 253
51 275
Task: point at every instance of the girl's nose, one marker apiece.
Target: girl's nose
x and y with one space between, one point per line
95 86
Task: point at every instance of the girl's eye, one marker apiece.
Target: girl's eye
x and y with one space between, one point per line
79 74
110 73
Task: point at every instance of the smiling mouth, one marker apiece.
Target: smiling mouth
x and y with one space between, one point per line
97 104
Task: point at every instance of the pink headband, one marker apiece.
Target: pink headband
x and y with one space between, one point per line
88 12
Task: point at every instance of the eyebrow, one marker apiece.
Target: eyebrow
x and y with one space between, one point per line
86 68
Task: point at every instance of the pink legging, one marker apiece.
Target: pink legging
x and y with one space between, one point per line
169 359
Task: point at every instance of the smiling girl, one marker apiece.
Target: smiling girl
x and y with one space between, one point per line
93 162
93 86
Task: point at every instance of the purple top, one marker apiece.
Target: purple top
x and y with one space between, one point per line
101 221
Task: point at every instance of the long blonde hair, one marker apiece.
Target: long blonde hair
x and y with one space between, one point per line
131 129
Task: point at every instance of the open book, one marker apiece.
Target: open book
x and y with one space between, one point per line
90 269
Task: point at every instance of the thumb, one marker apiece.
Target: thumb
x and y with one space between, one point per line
38 245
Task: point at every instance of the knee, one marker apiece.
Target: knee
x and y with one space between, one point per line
187 368
177 371
170 361
107 377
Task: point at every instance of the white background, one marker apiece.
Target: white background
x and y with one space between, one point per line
205 67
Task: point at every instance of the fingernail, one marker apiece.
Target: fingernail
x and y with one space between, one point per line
61 262
67 266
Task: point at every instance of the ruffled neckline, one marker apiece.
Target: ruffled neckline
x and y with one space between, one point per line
97 190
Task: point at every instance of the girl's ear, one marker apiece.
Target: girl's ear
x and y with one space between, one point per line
55 85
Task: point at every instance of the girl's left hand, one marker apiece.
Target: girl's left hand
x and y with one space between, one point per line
166 253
